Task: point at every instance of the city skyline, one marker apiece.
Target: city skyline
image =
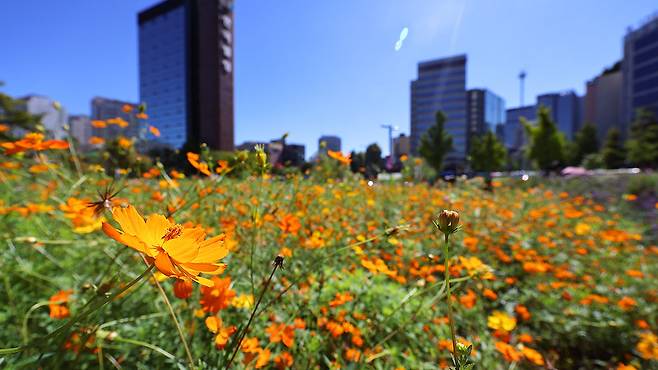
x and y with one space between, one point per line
274 61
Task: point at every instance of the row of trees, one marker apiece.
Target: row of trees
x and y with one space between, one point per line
548 149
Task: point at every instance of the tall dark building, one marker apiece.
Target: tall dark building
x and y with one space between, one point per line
640 70
106 109
486 112
441 86
329 142
603 102
565 109
186 71
514 132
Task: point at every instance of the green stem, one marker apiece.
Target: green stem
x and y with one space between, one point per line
451 321
74 320
251 318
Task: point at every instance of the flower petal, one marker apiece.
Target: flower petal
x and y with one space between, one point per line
211 250
164 265
130 220
127 240
156 227
183 248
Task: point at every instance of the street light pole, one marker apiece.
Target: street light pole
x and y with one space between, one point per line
390 128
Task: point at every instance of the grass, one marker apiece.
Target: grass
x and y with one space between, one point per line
540 278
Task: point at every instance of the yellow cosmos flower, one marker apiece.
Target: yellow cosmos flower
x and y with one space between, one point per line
582 228
177 252
501 321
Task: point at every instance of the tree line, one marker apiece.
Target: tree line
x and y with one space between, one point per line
547 149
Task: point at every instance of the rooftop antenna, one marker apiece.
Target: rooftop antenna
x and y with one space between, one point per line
522 81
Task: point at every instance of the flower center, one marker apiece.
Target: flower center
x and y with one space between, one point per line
173 232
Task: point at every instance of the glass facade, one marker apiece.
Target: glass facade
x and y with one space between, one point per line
565 111
441 86
104 109
514 132
162 74
330 143
640 70
486 112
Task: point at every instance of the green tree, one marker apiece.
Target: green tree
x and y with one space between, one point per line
613 152
373 161
487 154
584 143
435 143
547 144
358 163
13 115
643 142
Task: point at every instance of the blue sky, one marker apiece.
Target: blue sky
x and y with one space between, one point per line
323 67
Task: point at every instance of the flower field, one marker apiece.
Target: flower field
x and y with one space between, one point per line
346 274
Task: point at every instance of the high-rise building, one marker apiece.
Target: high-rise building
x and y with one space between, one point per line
565 109
640 70
603 102
52 119
80 126
486 113
401 145
514 131
186 71
441 86
109 109
330 143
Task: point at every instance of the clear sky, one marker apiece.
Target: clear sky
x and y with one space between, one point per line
323 67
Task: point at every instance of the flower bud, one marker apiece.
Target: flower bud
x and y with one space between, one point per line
261 156
183 289
448 222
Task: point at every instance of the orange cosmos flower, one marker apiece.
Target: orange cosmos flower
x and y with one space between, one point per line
193 158
341 299
222 166
626 303
33 141
218 296
154 130
58 304
490 294
625 367
125 143
118 121
215 325
95 140
178 252
339 157
281 333
509 353
127 108
38 168
469 299
142 115
3 127
289 224
283 360
523 312
98 123
532 355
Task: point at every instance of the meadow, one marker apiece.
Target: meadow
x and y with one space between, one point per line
346 273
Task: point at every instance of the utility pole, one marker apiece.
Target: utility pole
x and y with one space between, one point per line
390 129
522 81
